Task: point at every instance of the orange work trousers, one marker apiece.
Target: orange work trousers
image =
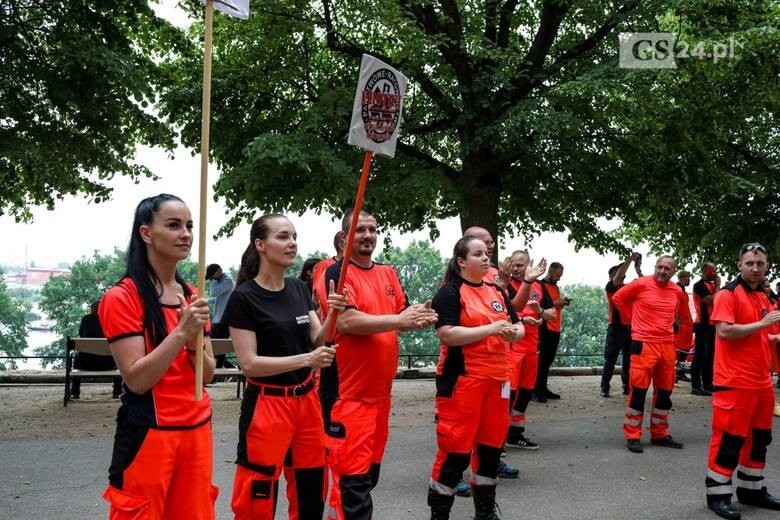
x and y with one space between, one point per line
741 433
475 414
356 438
650 363
161 474
522 378
276 425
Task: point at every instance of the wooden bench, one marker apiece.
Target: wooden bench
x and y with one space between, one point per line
99 347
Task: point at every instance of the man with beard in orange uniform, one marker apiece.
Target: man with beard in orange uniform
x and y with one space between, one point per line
524 354
745 324
355 389
652 304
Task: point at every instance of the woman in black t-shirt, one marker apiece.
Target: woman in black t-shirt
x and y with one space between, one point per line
278 340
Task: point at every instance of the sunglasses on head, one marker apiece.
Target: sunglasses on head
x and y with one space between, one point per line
755 246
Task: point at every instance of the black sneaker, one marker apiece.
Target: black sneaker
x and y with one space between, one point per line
605 394
539 398
551 395
700 392
667 442
523 443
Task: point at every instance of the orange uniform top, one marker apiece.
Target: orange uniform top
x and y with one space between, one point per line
319 287
170 402
492 276
365 365
529 342
464 304
744 362
553 294
651 309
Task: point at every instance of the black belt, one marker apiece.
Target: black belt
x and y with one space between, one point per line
282 391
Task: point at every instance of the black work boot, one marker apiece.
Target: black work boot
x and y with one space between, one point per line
757 498
721 505
440 505
485 507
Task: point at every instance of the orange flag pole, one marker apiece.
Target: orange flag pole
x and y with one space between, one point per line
331 331
204 184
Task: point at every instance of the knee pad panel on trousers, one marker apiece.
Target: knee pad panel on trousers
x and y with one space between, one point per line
664 399
488 458
310 492
356 496
523 398
638 396
728 451
452 469
761 439
373 472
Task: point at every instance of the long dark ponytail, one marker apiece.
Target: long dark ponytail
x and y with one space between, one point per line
140 270
250 260
461 250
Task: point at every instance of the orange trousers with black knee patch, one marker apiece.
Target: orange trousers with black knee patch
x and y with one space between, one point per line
161 474
356 438
650 363
272 429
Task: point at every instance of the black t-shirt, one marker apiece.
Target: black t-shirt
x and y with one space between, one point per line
279 319
701 290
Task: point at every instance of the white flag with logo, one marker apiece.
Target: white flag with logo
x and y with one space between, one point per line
376 113
235 8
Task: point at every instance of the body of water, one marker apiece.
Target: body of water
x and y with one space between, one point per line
35 339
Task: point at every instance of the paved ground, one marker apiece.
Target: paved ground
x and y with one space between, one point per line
583 470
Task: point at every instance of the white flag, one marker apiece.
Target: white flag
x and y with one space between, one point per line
376 113
235 8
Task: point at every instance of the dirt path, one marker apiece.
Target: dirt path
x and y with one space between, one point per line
36 411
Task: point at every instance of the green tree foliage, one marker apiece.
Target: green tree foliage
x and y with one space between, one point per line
13 330
65 299
77 77
517 117
584 327
420 268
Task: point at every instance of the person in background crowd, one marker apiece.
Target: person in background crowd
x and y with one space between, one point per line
550 330
523 354
307 272
162 459
319 291
703 355
618 340
683 351
476 323
90 328
279 342
745 324
220 287
652 305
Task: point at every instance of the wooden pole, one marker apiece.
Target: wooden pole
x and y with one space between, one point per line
331 332
204 185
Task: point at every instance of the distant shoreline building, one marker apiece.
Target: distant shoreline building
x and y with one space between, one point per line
37 276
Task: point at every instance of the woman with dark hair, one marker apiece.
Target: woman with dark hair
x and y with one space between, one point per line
162 459
476 323
307 272
278 340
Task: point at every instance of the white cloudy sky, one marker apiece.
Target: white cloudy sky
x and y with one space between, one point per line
77 228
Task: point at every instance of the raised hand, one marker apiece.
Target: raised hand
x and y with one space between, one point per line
336 301
533 272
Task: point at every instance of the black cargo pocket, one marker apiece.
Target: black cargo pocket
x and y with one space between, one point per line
636 347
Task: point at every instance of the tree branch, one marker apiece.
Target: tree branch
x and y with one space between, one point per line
434 126
505 22
449 172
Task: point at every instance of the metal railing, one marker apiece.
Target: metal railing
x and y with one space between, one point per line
408 360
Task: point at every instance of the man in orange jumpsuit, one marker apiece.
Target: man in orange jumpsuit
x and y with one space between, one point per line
652 304
745 324
355 390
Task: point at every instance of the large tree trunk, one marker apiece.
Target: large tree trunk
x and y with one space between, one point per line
480 192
